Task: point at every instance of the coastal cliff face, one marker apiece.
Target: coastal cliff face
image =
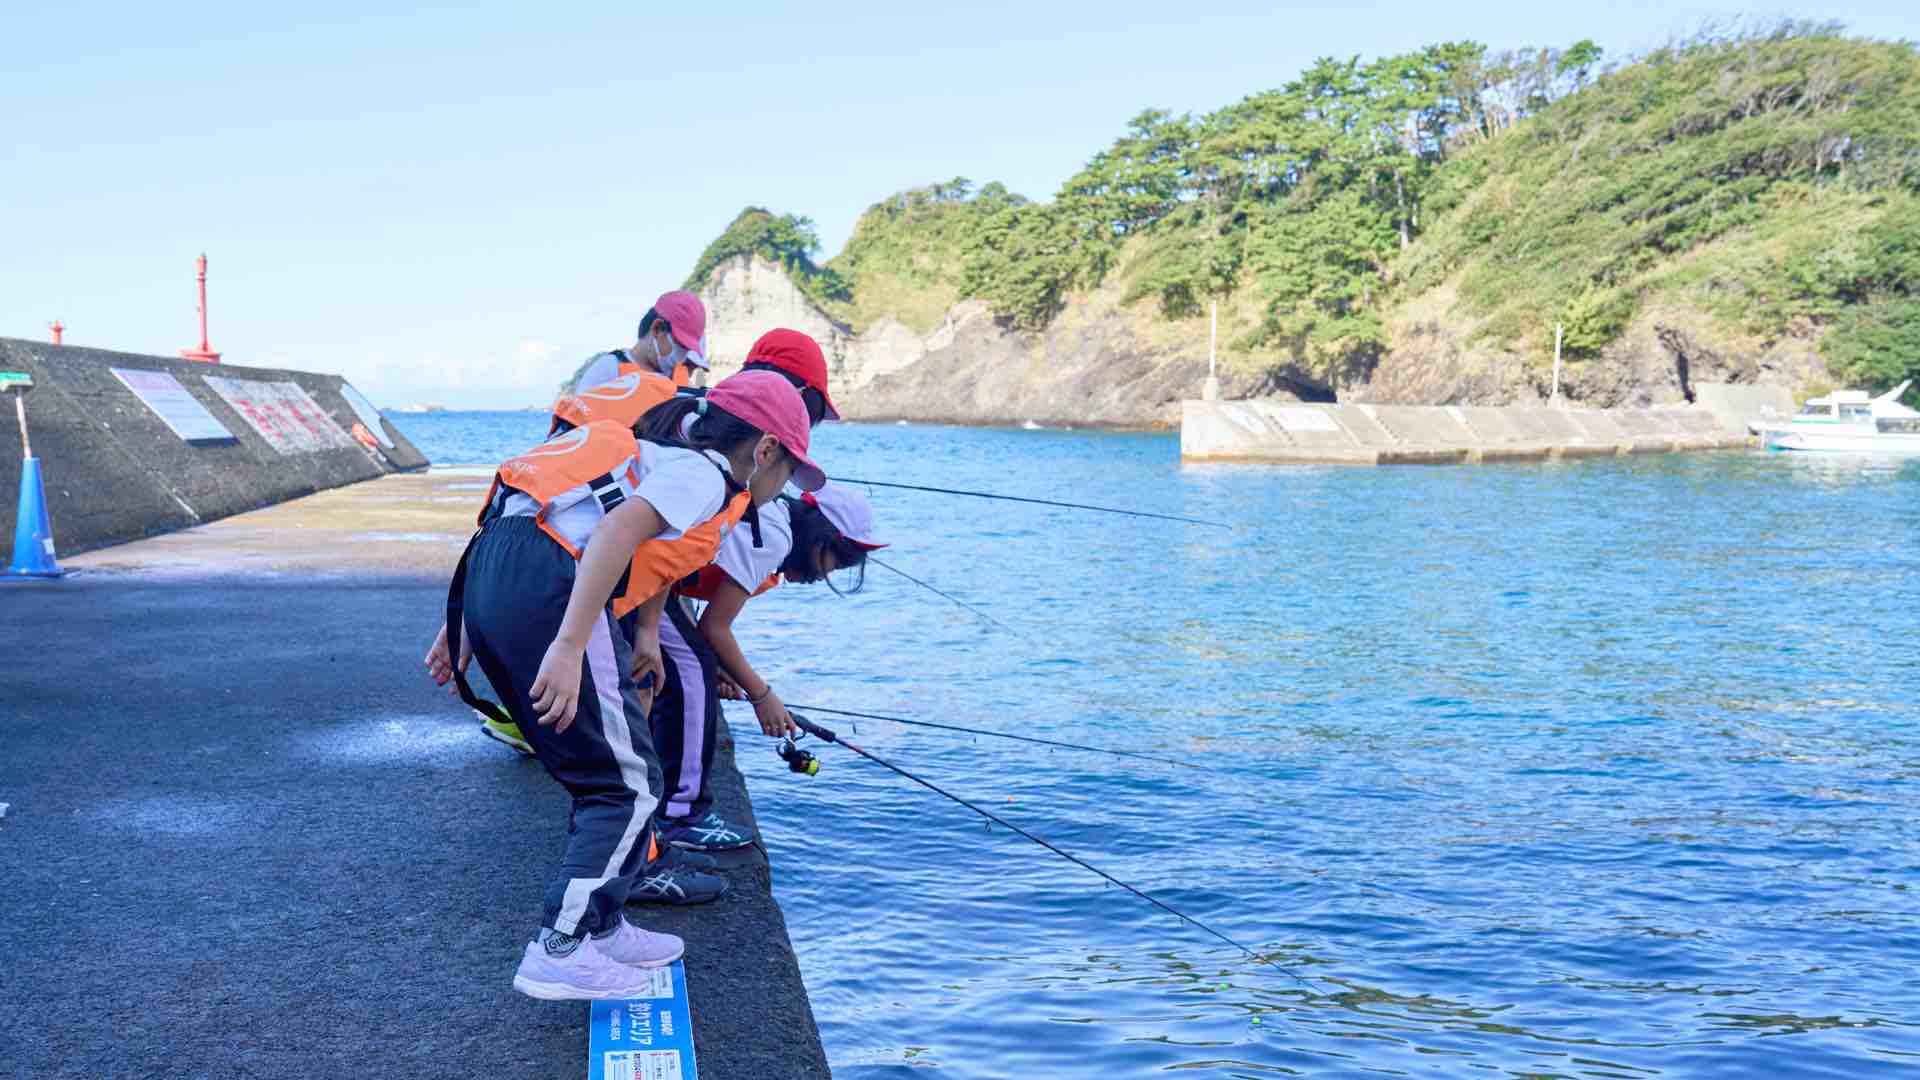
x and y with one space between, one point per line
1435 360
1103 362
1736 208
1099 363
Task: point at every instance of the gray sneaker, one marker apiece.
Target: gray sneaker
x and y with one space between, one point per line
665 881
710 833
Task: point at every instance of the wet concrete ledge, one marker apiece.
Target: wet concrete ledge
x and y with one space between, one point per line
1269 431
114 471
248 839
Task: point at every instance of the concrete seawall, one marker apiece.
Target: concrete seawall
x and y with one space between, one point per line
1454 434
291 854
114 470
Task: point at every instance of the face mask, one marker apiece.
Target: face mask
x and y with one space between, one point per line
669 359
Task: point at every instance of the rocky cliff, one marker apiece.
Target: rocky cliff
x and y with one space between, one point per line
1099 363
1102 362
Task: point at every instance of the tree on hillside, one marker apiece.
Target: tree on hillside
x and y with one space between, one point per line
787 239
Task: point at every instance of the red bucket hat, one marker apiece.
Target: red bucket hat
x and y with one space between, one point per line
797 354
770 403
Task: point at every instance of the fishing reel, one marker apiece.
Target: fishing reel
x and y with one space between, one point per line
798 760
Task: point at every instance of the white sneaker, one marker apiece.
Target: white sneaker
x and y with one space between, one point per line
635 947
585 974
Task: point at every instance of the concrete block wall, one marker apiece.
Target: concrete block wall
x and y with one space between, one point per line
114 471
1437 434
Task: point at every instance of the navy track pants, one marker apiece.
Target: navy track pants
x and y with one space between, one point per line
518 581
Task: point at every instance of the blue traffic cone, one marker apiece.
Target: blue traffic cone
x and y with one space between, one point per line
32 533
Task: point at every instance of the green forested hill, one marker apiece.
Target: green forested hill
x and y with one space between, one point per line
1769 180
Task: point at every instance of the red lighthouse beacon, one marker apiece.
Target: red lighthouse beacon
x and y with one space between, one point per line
204 352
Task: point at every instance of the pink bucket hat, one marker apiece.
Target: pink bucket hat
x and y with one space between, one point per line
687 318
769 402
849 511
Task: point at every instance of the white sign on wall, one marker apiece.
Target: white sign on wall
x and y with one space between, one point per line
364 409
283 413
174 405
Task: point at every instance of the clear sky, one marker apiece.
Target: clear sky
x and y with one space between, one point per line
456 203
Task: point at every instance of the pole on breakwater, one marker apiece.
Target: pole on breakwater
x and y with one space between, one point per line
1211 391
57 330
205 351
1554 398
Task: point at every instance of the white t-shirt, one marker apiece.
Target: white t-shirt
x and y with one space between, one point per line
682 486
602 368
747 565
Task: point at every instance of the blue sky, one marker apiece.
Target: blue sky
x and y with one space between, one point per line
455 203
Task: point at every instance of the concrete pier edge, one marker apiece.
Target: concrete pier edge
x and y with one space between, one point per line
1367 434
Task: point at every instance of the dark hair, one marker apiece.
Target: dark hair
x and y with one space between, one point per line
646 324
716 428
812 532
815 400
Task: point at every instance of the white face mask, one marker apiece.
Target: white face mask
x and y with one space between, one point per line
670 358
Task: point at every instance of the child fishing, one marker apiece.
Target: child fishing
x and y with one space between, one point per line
819 534
584 529
686 718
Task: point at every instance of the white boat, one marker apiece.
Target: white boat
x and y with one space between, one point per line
1850 422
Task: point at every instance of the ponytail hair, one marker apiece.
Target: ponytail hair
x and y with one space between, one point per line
714 428
813 533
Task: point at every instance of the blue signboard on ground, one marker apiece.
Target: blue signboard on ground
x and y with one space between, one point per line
644 1038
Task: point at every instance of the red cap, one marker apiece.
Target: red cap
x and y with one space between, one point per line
798 354
770 403
687 317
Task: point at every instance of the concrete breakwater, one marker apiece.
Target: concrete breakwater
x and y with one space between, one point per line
133 445
1458 434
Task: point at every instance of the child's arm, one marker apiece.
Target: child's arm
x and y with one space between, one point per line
716 625
556 690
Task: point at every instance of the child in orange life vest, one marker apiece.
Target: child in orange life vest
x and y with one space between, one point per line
577 531
821 532
688 725
672 343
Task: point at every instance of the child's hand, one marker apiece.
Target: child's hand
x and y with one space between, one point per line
646 662
727 689
772 714
556 689
440 667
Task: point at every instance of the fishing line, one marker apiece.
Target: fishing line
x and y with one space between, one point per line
1041 502
795 758
937 592
998 735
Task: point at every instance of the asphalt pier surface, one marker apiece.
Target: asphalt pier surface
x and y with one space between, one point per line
245 837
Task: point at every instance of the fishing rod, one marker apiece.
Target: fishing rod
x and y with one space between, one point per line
937 592
802 762
998 735
1041 502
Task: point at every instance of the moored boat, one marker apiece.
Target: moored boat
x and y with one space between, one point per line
1850 422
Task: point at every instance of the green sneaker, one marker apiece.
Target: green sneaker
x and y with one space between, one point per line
508 733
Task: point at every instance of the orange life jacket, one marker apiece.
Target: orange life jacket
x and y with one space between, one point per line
683 375
705 584
659 563
602 461
623 400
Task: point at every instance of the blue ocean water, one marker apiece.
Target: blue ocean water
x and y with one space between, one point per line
1597 769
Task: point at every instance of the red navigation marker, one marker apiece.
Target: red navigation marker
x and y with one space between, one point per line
205 351
57 330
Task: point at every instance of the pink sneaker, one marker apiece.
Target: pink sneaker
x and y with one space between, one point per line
635 947
585 974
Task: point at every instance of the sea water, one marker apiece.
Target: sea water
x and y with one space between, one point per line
1605 768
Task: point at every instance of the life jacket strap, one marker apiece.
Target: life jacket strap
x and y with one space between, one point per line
607 490
456 618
